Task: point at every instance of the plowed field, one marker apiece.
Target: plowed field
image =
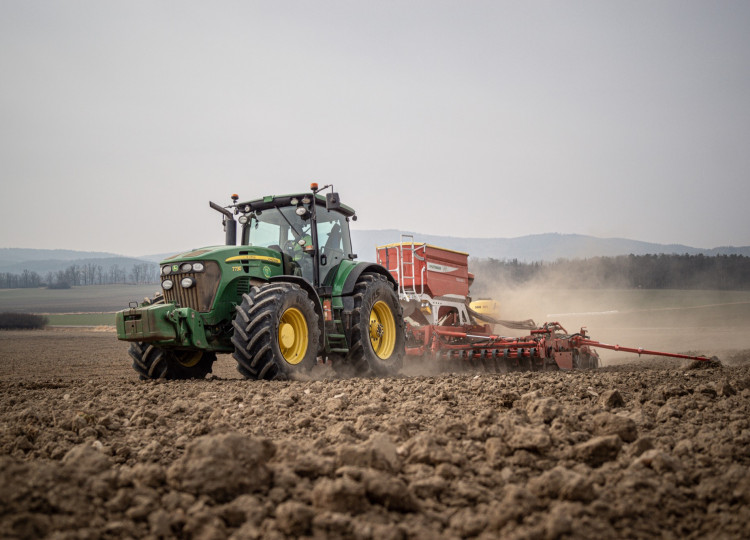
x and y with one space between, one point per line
644 449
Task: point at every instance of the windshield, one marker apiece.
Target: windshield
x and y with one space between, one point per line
275 228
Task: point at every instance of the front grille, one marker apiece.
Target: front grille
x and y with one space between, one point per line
180 296
200 296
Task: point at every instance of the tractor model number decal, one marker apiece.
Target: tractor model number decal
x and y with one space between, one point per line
236 269
440 268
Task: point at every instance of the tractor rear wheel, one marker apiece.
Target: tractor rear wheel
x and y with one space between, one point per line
152 362
276 332
377 332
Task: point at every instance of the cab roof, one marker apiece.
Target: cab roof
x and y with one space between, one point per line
272 201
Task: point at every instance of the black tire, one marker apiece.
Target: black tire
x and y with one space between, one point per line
377 333
276 332
152 362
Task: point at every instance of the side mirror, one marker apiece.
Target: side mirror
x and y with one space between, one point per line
230 225
332 201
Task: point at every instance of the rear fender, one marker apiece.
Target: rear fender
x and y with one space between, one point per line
347 286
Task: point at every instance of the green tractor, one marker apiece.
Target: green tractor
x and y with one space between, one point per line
288 295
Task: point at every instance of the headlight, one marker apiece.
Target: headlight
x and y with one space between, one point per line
166 270
167 284
243 219
186 267
198 267
187 282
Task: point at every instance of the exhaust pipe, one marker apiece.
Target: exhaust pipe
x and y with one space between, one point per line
230 225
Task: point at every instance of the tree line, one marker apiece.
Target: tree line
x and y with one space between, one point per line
84 274
720 272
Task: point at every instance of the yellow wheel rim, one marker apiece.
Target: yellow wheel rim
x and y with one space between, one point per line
293 336
189 359
382 330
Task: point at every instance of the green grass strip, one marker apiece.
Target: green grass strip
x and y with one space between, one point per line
81 319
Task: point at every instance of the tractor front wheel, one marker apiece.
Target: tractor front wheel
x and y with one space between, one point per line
152 362
276 332
378 337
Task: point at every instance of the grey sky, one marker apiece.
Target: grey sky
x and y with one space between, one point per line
120 120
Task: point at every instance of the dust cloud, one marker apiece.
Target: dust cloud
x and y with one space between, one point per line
709 322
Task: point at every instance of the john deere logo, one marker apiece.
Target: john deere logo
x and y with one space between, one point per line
266 271
175 268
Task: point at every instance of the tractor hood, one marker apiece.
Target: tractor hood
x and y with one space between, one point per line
223 255
206 278
227 262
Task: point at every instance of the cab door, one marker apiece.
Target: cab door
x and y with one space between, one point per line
334 241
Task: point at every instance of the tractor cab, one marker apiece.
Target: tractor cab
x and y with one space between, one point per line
310 231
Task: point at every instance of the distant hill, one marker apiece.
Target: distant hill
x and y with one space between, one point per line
41 267
538 247
41 261
19 255
159 257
